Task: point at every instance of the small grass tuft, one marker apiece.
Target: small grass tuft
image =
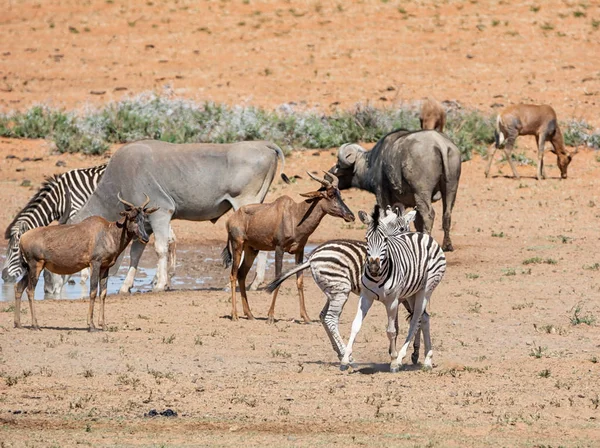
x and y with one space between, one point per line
577 318
545 373
538 352
168 339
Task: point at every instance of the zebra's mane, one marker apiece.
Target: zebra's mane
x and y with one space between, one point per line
375 217
47 186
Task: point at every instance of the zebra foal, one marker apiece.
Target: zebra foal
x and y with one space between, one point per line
400 266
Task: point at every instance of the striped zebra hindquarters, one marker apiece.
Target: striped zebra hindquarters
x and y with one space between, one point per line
50 203
336 268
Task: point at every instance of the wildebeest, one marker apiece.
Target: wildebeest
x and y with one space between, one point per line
192 181
408 167
94 243
530 119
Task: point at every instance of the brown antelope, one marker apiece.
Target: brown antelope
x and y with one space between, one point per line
432 115
66 249
529 119
284 226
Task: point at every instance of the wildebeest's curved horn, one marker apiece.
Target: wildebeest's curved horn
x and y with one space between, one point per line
128 204
318 179
146 202
334 180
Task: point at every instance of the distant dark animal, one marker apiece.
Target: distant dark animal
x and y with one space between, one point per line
409 168
530 119
433 115
195 182
284 226
400 266
94 243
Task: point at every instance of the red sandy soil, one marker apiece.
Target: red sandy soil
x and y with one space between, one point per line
510 368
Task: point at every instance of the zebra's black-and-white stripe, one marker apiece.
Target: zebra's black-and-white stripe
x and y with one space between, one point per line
336 267
50 203
400 266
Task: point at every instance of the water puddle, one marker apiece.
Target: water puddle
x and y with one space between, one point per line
197 268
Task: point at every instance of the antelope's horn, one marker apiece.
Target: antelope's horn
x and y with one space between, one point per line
334 180
146 202
128 204
318 179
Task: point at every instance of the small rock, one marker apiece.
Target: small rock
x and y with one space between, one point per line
11 156
97 92
20 170
316 153
61 163
470 56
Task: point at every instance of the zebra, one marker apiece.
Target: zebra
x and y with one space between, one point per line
400 266
50 203
336 267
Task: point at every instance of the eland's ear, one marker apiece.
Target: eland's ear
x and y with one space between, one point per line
151 210
364 217
410 216
123 213
312 194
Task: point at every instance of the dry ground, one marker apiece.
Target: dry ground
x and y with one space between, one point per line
510 367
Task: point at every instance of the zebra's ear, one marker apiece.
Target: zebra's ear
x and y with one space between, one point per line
410 216
364 217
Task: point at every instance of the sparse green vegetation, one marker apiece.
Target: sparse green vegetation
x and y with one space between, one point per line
545 373
497 234
592 267
546 26
534 8
521 306
168 339
577 318
538 352
509 272
472 276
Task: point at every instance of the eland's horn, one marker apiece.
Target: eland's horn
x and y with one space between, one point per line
128 204
146 202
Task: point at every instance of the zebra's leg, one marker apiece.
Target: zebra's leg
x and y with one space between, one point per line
427 338
408 303
419 307
330 318
261 267
135 253
364 304
19 288
392 327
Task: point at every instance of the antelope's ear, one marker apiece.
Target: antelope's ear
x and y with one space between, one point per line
364 217
312 194
149 211
410 216
124 213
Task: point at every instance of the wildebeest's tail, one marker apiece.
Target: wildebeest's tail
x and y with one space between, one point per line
278 281
281 156
498 135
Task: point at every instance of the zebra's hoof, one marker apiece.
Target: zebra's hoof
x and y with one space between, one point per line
414 358
344 367
394 368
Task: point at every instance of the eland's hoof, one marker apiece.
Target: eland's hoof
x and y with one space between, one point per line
344 367
93 330
394 368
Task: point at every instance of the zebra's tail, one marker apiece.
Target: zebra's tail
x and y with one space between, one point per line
278 281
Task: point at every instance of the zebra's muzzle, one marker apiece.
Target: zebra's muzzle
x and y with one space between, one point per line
7 278
374 266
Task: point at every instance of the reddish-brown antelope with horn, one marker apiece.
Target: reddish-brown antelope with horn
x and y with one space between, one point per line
282 226
529 119
66 249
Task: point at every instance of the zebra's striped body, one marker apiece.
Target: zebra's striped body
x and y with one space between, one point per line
400 266
336 267
49 204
